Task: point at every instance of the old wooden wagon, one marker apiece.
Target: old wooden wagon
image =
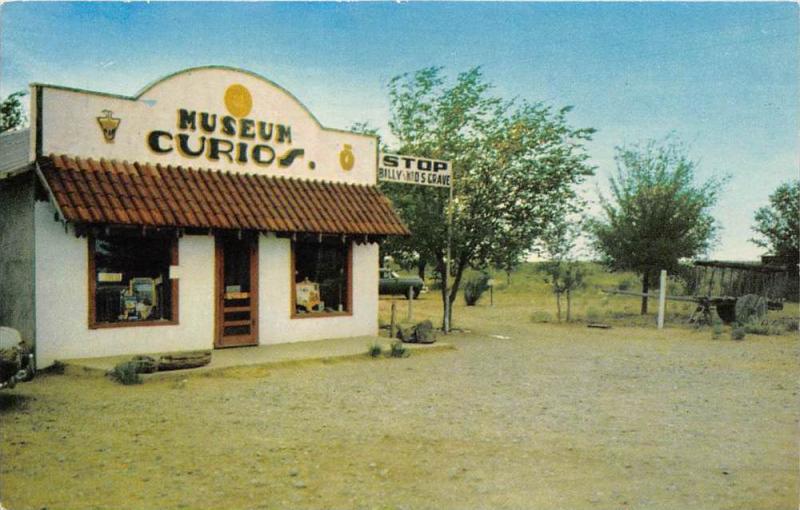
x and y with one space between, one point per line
716 285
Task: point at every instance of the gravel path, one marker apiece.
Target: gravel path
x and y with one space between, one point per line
550 417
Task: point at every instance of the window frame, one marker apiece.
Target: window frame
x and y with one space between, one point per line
293 284
92 291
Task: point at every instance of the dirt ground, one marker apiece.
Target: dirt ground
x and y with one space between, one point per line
538 416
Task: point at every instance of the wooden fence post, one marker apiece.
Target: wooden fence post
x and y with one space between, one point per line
662 298
410 304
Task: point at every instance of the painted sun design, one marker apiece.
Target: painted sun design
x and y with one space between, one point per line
238 100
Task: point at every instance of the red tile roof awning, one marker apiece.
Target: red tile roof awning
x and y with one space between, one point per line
113 193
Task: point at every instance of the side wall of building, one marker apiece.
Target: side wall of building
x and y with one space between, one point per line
62 300
17 254
275 281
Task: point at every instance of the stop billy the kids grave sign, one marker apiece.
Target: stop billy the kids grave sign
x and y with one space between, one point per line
414 170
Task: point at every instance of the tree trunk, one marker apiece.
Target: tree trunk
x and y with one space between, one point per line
508 278
421 268
569 306
645 290
441 267
558 306
460 267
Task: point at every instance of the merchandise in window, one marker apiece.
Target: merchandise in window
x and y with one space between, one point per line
131 279
321 277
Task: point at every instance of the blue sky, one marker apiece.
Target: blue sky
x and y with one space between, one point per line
722 76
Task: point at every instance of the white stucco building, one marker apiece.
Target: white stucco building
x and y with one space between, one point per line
211 210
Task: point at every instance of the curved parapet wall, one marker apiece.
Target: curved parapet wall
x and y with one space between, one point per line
208 117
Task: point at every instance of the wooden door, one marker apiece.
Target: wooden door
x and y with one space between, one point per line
236 291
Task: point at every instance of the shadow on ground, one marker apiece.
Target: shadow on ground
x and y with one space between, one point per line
11 402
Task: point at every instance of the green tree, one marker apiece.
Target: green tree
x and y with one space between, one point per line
508 261
12 114
778 224
515 167
656 214
563 272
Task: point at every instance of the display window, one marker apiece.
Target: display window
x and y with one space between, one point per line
322 278
129 281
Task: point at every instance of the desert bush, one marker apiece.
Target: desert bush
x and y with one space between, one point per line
474 289
626 284
765 328
374 350
126 373
738 333
541 316
398 350
751 309
756 328
593 314
716 328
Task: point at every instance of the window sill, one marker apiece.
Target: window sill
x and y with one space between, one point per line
131 324
320 315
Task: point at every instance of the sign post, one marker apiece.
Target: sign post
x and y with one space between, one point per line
447 262
424 172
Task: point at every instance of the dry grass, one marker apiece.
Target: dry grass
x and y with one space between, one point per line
522 415
528 297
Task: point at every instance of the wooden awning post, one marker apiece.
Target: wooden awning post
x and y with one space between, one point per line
392 320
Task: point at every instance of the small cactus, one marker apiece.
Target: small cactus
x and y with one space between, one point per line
738 333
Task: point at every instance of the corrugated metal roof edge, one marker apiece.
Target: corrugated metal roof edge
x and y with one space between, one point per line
13 173
14 152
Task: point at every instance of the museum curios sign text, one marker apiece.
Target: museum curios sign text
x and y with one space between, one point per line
208 135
